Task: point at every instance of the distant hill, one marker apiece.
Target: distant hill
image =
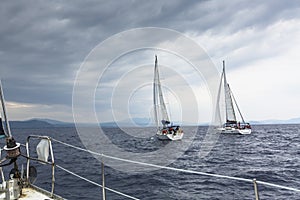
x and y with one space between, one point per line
275 121
127 123
51 121
30 124
39 123
48 123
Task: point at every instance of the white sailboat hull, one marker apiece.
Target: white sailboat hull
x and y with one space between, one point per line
245 131
169 136
161 136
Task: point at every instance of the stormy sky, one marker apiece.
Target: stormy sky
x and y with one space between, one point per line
43 44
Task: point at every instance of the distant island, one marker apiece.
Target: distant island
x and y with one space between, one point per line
39 123
275 121
48 123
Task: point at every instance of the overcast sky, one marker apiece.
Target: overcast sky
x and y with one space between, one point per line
44 43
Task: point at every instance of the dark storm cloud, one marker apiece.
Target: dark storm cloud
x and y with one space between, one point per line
42 43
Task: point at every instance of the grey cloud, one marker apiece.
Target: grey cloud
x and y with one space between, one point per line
42 43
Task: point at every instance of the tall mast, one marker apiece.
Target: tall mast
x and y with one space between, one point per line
12 148
7 132
225 83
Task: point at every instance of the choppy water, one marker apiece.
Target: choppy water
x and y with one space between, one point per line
271 153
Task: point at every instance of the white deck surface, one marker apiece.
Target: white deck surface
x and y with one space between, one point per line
29 193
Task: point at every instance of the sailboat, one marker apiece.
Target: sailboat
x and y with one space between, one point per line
231 125
165 129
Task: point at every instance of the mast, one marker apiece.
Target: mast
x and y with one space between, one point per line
230 114
7 131
12 148
225 83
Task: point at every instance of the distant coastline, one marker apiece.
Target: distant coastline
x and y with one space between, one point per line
48 123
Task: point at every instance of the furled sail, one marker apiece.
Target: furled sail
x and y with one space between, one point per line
2 132
6 128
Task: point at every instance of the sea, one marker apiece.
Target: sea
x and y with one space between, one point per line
271 154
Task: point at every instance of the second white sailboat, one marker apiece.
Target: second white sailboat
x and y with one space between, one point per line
231 125
166 130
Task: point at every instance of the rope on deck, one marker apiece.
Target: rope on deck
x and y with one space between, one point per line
180 170
94 183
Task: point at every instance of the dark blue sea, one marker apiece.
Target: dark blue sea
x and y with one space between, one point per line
271 153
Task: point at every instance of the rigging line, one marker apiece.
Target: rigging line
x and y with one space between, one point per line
94 183
154 165
278 186
177 169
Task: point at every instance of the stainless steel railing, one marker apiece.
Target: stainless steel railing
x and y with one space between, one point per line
52 163
253 181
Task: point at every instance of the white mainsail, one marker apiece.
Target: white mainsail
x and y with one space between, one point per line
230 114
160 110
218 116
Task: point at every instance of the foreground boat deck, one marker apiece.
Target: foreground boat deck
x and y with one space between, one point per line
32 194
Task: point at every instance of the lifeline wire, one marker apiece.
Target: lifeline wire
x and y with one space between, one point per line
180 170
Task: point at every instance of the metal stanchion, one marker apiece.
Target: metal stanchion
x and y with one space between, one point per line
103 180
255 189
